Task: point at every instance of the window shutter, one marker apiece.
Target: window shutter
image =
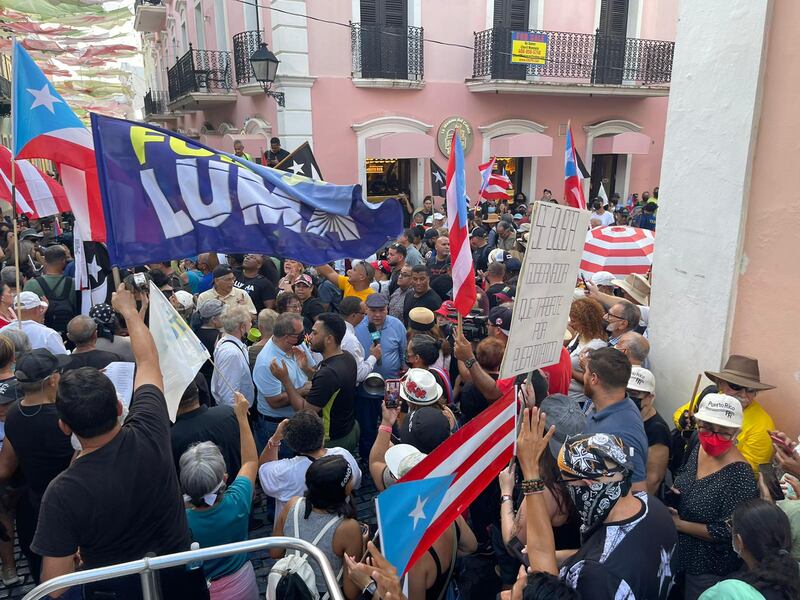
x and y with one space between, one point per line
369 12
395 13
614 18
511 14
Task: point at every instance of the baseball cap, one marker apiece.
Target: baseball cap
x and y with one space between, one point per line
641 380
430 234
513 265
30 233
400 459
478 232
719 409
587 456
517 216
211 308
39 364
425 429
447 308
29 300
602 278
8 392
185 298
383 266
438 216
500 316
376 301
305 280
566 414
429 220
421 319
221 271
506 294
327 478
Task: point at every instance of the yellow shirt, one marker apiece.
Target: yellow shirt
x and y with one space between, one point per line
348 290
753 442
236 297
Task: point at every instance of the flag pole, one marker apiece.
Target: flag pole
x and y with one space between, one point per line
14 188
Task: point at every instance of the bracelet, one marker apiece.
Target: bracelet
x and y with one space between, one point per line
532 486
385 429
506 498
272 444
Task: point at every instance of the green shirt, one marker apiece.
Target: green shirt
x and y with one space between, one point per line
56 284
732 589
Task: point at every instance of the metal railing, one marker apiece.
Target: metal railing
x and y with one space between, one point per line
200 71
596 59
155 103
387 52
244 44
149 3
146 567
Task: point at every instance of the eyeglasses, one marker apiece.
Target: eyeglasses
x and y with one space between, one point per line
739 388
722 434
613 316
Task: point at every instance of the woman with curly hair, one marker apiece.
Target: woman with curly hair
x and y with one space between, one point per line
587 325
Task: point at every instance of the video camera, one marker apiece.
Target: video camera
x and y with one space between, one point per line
474 325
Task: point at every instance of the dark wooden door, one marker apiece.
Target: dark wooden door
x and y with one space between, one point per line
610 42
384 39
509 16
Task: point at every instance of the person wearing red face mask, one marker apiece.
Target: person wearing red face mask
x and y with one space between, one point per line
714 481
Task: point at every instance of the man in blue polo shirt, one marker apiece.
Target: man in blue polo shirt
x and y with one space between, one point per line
273 405
380 327
605 381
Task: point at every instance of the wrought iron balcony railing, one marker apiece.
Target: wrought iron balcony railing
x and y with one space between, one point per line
207 71
387 52
149 3
155 103
581 57
244 44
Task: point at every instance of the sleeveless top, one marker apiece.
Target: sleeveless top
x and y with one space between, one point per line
309 528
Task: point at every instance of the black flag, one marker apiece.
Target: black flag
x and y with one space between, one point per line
301 162
95 283
438 180
581 167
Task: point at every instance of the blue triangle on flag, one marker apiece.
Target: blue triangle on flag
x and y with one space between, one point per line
405 511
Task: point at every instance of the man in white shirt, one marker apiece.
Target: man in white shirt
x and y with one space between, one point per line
231 364
352 311
304 433
31 314
606 217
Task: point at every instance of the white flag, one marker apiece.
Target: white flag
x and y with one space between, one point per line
601 193
180 352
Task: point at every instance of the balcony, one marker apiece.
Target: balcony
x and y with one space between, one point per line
387 57
151 16
155 107
244 44
574 64
201 79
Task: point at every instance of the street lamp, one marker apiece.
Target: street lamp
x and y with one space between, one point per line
265 67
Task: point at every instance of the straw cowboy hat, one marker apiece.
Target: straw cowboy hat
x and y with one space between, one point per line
636 286
492 219
741 371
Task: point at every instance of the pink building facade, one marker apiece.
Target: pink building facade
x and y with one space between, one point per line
377 86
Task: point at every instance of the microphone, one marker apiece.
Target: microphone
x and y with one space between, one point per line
376 338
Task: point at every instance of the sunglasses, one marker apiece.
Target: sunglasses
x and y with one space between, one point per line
722 434
738 388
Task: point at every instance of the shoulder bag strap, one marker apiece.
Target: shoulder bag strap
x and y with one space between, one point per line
452 569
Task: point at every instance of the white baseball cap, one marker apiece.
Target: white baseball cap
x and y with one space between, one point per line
602 278
400 459
720 409
28 300
641 380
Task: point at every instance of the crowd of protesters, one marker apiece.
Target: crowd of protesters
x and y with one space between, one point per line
606 498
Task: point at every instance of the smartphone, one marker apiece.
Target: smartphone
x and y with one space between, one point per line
771 481
515 548
391 393
778 441
672 498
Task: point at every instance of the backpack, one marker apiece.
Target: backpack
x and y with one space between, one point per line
292 578
60 310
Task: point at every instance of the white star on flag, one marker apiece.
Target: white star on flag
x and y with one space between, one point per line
438 177
43 97
94 268
418 512
297 168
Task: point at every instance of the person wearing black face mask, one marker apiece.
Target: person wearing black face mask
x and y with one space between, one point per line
641 390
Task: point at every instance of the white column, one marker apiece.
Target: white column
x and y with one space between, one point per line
290 45
712 119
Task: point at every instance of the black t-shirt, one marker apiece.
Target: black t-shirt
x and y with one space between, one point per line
218 425
259 288
493 289
443 285
99 359
270 271
657 431
312 308
429 299
481 257
472 401
626 559
121 501
208 337
333 389
437 267
42 449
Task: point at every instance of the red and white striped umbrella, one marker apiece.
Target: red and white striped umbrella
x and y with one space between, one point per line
619 250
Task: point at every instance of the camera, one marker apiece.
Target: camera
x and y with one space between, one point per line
474 325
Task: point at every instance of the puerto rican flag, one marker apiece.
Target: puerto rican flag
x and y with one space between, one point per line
463 270
494 186
414 512
44 126
573 189
37 194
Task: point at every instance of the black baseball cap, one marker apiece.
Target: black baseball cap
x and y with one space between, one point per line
38 365
478 232
327 478
500 316
8 392
425 429
221 271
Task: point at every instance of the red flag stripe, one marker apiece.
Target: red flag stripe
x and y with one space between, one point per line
621 252
589 267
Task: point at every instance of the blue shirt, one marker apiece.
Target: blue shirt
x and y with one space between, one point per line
224 523
198 282
393 345
624 420
267 385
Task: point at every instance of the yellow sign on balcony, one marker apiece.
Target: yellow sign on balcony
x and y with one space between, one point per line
528 48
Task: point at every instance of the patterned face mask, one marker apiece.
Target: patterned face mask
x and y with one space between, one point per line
595 501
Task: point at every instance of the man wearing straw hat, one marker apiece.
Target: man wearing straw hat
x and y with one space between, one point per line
740 378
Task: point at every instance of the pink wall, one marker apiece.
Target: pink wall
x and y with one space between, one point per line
766 323
575 15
